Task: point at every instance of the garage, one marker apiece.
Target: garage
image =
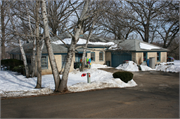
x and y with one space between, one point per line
119 58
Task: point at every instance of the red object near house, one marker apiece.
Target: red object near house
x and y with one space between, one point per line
84 74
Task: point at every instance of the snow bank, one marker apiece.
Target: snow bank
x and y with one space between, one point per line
12 84
93 66
82 41
169 66
128 66
101 84
26 93
145 68
148 46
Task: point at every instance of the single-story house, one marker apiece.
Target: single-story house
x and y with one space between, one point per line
100 52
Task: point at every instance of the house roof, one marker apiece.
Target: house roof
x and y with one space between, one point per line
125 45
60 47
28 48
135 45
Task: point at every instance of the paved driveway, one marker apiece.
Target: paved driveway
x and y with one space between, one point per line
156 96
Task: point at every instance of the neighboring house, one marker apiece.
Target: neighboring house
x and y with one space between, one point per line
100 52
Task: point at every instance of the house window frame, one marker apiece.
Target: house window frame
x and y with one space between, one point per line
102 56
46 61
63 60
145 55
158 56
93 53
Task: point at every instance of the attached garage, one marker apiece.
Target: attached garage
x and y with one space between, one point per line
134 50
119 58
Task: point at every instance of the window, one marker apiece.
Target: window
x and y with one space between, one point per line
158 56
44 62
101 56
92 56
145 56
63 60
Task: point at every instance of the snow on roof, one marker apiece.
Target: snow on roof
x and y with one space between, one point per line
113 47
148 46
82 41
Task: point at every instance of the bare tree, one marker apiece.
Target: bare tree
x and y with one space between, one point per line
19 40
114 21
169 22
58 13
85 13
85 47
144 13
38 50
34 44
49 47
71 50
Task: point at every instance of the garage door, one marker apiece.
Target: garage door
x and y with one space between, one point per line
119 58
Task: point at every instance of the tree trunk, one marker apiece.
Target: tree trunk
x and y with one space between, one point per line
63 83
146 32
85 47
2 32
24 58
38 50
49 47
34 48
33 58
75 38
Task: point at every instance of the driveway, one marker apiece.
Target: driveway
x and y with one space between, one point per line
156 96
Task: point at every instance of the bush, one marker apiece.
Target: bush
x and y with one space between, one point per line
77 65
11 63
124 76
19 69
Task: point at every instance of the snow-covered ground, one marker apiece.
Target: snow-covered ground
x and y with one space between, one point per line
169 66
13 84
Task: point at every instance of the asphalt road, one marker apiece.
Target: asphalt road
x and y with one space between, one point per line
156 96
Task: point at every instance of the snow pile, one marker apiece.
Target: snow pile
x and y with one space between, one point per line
26 92
128 66
169 66
12 84
99 79
101 84
145 68
177 62
95 66
82 41
148 46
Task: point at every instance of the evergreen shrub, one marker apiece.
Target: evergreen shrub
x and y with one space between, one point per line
124 76
11 63
19 69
